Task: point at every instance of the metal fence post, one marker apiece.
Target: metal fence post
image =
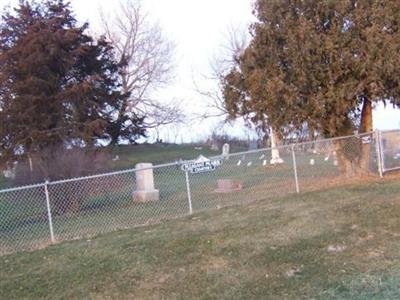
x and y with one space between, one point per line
46 191
188 192
378 152
382 153
295 170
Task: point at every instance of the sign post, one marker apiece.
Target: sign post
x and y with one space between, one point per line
188 192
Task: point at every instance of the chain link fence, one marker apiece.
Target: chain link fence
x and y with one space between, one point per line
390 148
38 215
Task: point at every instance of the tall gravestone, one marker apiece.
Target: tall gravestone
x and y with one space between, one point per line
145 190
225 151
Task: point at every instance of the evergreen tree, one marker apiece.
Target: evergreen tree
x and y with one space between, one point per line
58 87
320 63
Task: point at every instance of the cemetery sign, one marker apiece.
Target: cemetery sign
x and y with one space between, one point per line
201 164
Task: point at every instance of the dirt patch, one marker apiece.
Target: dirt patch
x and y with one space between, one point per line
214 264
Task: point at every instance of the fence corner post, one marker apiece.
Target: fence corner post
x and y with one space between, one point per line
379 157
296 179
188 192
49 217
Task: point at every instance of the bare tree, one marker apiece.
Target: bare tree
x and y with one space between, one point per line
147 56
236 41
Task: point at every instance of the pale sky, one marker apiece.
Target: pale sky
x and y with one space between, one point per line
199 29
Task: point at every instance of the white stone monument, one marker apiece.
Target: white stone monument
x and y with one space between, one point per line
225 151
275 157
145 190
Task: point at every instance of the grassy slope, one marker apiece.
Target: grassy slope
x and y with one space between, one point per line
157 154
269 249
4 183
107 202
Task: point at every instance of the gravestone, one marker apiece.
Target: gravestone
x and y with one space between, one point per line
145 190
228 186
225 151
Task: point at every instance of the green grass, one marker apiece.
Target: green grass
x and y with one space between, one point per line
160 153
130 155
276 248
4 182
107 205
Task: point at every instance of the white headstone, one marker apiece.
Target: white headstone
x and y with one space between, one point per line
275 157
145 190
225 151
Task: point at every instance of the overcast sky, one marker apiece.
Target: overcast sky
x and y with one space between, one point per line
199 29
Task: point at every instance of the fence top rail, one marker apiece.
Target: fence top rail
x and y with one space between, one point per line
20 188
389 131
127 171
289 146
121 172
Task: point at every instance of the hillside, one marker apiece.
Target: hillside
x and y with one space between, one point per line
340 243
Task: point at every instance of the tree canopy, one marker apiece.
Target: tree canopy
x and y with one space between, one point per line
320 63
58 86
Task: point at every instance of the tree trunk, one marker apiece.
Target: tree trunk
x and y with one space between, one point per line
275 157
354 153
348 154
366 126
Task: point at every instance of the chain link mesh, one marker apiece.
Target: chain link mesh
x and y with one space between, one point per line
84 207
390 147
23 219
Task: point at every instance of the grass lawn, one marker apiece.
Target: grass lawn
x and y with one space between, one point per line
4 182
107 204
129 156
338 243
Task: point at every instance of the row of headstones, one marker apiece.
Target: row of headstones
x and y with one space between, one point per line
146 191
275 157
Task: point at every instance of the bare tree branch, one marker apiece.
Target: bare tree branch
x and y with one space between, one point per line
221 64
147 54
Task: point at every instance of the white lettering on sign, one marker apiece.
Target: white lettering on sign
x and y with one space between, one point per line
203 166
366 140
